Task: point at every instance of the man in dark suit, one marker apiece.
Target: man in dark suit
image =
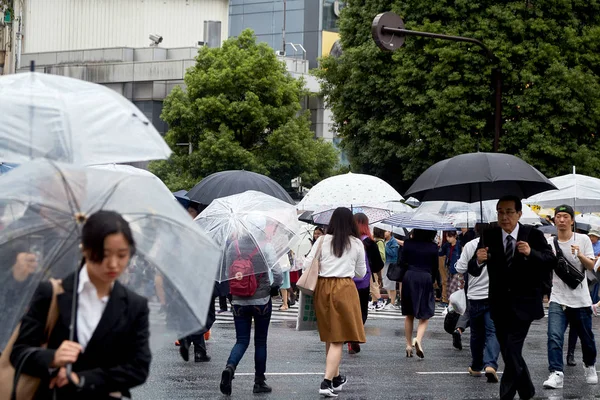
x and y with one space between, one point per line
519 262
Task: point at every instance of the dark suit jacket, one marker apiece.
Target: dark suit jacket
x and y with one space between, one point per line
117 356
517 290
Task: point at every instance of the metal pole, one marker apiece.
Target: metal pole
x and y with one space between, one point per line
283 30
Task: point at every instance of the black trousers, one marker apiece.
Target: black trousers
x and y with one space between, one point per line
511 333
363 296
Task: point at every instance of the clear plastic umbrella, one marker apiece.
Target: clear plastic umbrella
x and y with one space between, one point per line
374 213
580 191
72 121
175 264
250 224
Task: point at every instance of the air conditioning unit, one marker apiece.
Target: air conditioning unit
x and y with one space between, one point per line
280 53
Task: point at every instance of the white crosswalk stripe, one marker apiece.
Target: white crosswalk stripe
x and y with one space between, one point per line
279 316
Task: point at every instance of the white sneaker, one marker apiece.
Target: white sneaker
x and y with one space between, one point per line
591 376
379 306
390 306
555 380
371 306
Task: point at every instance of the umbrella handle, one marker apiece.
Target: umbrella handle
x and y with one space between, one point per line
69 367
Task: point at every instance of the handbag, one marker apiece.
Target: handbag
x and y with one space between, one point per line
396 272
566 271
308 281
13 384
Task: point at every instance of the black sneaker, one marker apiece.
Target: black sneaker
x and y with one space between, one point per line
201 357
327 390
262 387
226 378
339 382
571 360
457 339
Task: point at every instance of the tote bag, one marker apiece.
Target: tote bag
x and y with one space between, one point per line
25 386
308 281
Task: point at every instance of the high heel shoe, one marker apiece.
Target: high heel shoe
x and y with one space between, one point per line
418 348
409 351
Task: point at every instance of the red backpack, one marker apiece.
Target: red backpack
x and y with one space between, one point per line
242 279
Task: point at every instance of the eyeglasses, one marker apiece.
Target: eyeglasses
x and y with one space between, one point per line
508 213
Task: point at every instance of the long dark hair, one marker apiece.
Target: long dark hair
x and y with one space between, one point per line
421 235
341 227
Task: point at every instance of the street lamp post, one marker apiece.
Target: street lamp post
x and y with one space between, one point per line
389 33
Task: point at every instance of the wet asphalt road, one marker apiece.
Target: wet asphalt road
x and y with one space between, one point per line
381 371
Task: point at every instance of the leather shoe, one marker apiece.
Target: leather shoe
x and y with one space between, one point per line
226 378
457 339
201 357
571 360
262 387
184 349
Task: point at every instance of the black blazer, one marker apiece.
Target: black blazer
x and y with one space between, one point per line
117 356
517 290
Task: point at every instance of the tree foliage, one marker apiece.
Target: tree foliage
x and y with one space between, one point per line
241 109
400 112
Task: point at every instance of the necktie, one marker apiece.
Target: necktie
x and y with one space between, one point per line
509 250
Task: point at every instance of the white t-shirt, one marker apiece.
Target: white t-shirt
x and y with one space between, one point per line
478 287
350 264
563 294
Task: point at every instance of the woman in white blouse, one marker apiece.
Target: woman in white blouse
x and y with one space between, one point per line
336 298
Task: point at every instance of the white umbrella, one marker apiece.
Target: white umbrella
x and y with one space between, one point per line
466 215
580 191
590 219
250 225
58 196
398 207
128 169
348 189
72 121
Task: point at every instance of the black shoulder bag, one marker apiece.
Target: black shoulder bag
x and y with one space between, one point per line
566 271
397 270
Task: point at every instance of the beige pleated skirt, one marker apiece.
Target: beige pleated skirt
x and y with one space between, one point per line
338 311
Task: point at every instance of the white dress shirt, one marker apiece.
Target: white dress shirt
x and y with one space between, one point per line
514 234
351 264
89 308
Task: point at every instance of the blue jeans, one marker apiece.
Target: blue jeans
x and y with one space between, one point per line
242 317
580 319
484 343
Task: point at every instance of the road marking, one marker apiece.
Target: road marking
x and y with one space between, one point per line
280 373
449 373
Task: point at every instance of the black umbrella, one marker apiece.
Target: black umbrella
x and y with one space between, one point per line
476 177
227 183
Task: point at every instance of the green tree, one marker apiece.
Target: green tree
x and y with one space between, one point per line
398 113
241 110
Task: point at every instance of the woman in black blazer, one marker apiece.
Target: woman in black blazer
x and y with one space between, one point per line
111 352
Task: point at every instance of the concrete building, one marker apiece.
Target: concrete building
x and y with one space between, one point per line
107 42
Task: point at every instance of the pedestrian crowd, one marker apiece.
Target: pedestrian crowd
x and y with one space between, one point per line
491 279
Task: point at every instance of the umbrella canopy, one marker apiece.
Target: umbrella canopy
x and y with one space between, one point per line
6 167
348 189
466 215
375 214
181 196
580 191
228 183
425 221
593 221
128 169
250 225
391 228
398 207
479 176
72 121
58 196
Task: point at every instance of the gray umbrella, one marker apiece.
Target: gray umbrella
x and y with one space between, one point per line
228 183
475 177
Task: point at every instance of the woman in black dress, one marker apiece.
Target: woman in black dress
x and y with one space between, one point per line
420 257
